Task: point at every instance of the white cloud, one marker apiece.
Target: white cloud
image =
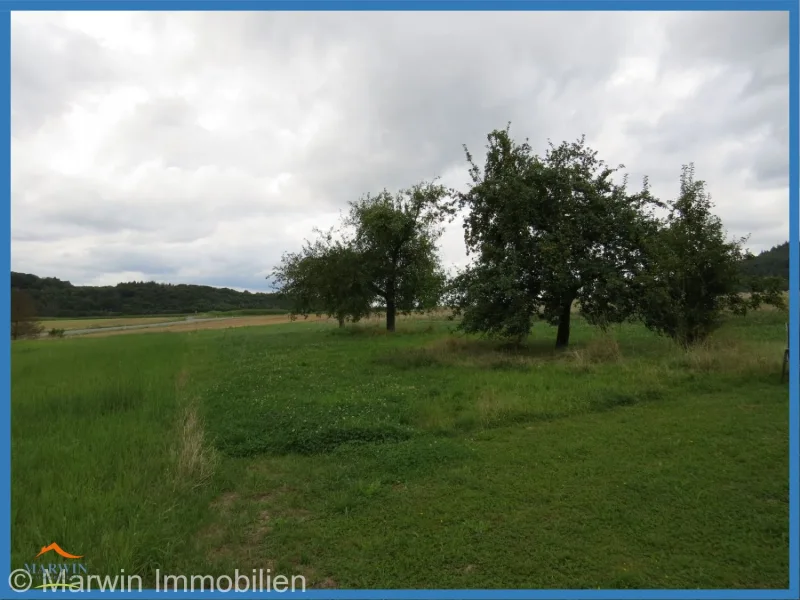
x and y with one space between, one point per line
197 147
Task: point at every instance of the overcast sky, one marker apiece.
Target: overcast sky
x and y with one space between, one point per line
197 147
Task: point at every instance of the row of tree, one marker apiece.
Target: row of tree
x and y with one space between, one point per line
546 233
53 297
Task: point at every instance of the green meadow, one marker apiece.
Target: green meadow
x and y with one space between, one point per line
420 459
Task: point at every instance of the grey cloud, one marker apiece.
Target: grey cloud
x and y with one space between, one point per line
699 120
748 96
404 117
51 67
162 206
732 37
771 169
118 258
764 239
164 129
330 106
414 89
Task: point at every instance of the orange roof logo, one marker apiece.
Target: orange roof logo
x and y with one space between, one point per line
57 549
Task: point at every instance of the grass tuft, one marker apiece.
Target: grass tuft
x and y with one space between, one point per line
601 350
195 460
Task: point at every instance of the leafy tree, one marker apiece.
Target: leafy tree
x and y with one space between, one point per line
395 239
547 231
326 277
24 322
697 274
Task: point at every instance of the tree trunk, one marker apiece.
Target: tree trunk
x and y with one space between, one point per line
391 313
341 322
391 307
562 337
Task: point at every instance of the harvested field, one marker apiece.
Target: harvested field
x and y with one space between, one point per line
221 323
226 322
99 323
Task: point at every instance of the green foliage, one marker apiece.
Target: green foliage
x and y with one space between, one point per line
395 238
384 258
24 320
54 332
548 231
56 298
696 272
325 277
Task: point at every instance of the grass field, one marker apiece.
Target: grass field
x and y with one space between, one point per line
100 322
420 459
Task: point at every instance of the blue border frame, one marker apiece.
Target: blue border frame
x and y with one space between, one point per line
423 5
5 296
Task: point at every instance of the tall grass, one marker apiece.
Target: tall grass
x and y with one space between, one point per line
630 461
98 438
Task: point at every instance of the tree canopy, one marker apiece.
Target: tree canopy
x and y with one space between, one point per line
697 272
395 239
325 277
545 232
383 257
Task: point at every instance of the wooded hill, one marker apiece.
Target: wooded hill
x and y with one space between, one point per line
56 298
770 263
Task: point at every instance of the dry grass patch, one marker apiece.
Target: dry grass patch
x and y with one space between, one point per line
181 380
601 350
731 356
224 502
434 315
493 407
194 459
262 526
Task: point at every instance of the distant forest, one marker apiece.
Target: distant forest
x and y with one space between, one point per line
56 298
770 263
